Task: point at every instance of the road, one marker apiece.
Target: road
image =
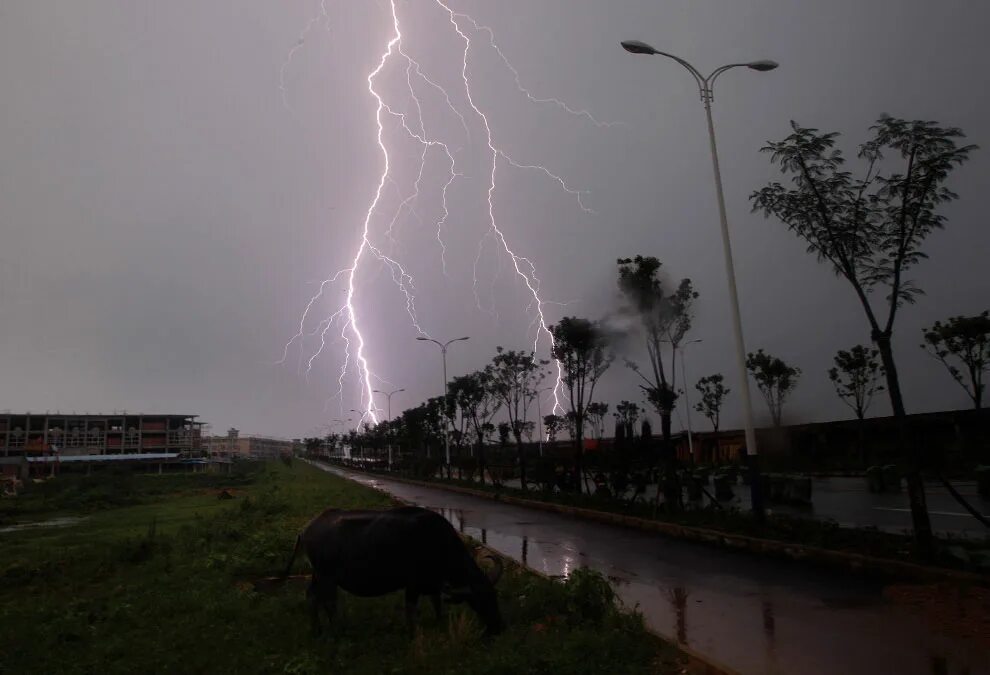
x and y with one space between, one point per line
850 504
753 614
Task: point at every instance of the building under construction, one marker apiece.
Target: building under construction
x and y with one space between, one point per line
42 439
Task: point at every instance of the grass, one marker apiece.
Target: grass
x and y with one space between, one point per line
161 584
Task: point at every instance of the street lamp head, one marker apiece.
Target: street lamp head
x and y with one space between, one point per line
420 337
637 47
763 65
464 338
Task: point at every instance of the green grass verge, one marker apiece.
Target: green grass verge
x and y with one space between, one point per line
161 585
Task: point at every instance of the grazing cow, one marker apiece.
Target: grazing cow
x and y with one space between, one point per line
370 553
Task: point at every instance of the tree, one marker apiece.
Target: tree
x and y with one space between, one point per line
513 379
552 423
966 340
626 414
855 377
478 404
713 394
774 378
596 415
871 230
580 349
666 318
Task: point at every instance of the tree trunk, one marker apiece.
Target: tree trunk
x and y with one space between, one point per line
923 537
522 461
669 484
578 460
481 460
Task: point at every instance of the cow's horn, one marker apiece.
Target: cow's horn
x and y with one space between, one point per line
498 568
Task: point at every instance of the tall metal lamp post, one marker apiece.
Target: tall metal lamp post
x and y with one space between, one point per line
446 427
388 406
705 89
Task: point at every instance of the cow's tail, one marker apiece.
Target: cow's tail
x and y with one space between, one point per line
292 559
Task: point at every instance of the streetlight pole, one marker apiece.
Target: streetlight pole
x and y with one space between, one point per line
388 405
687 400
705 89
446 426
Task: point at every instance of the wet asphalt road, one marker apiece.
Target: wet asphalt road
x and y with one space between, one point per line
753 614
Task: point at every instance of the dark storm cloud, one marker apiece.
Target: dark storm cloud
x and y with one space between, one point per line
164 218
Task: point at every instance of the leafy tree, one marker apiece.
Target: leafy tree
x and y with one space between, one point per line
855 377
580 349
513 378
478 405
775 379
871 230
504 429
713 394
596 415
666 318
964 340
626 414
552 423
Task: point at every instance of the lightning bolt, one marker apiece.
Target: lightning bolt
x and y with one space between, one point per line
344 318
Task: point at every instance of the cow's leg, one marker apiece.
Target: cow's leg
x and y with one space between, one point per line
327 595
437 605
312 597
412 599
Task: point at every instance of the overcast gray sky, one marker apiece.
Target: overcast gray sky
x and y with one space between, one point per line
171 192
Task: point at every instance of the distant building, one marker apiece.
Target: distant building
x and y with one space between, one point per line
233 445
45 440
28 434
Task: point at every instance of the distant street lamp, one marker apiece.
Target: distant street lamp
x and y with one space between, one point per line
388 398
446 427
705 88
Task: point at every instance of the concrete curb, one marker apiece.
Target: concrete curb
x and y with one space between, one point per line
848 562
698 663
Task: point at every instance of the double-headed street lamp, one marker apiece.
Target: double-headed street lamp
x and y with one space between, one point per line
446 427
705 89
388 406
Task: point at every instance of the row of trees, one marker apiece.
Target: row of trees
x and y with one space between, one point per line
870 230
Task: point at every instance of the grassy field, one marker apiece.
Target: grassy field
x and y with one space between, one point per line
156 578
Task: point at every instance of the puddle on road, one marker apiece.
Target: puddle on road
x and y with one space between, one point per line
51 522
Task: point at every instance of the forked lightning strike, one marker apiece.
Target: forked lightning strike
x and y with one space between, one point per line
345 316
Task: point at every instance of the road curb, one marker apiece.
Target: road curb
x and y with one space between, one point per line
849 562
698 663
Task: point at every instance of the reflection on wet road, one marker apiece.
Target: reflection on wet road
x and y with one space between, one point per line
753 614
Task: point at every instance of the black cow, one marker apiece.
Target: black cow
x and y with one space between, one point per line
370 553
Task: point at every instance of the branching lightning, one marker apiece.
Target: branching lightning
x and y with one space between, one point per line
344 318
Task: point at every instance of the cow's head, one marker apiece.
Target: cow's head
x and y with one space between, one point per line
481 597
